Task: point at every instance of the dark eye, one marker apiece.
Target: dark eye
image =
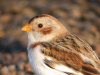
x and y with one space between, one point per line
40 25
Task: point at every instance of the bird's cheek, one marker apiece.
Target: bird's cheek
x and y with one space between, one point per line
46 30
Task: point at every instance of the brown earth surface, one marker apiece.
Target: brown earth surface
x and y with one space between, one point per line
81 17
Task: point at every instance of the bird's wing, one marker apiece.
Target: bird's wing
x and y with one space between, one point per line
66 52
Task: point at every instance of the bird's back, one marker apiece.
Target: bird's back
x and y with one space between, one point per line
73 52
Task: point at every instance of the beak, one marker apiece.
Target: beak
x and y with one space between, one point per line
26 28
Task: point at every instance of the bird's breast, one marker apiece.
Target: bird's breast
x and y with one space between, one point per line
34 45
36 59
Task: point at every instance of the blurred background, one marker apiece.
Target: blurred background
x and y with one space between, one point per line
81 17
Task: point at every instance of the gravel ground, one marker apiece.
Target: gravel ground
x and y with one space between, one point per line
81 17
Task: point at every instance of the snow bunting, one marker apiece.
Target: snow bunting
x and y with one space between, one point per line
53 50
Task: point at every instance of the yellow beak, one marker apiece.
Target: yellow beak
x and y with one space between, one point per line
26 28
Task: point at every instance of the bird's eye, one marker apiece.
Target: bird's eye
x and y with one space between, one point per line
40 25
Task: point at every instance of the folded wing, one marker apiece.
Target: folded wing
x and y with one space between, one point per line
71 56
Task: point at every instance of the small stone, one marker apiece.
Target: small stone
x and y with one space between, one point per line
4 71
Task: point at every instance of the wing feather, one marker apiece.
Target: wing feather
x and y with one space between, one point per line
67 52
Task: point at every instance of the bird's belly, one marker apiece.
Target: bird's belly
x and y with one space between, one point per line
38 66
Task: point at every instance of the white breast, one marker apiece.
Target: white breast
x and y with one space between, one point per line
38 66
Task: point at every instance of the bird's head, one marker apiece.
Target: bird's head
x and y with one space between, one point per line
43 28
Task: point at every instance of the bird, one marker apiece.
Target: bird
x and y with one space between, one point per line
54 50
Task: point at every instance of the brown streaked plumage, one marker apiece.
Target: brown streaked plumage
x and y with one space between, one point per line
53 50
70 56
